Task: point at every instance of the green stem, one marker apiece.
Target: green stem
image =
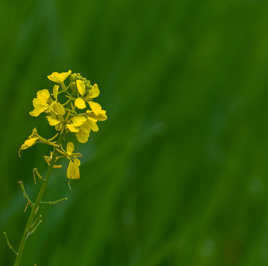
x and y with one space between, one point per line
31 217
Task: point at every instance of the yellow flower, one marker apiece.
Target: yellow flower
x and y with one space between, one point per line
30 141
81 87
97 112
73 169
82 126
40 103
76 123
54 120
70 148
59 77
55 117
80 103
93 92
70 108
84 131
57 108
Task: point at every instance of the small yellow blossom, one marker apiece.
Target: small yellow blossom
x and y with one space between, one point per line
81 87
80 103
40 103
56 121
57 108
30 141
85 96
94 92
53 120
70 148
70 109
84 131
73 169
82 126
56 113
76 123
59 77
97 112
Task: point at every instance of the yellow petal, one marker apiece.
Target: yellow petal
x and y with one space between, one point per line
73 169
38 110
83 134
92 124
56 91
94 92
57 108
98 111
28 143
77 162
37 103
81 87
40 103
52 120
95 107
101 116
59 77
80 103
72 128
43 95
70 148
78 120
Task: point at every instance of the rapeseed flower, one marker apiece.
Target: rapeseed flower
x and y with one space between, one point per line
97 112
69 108
40 103
59 77
30 141
85 94
73 171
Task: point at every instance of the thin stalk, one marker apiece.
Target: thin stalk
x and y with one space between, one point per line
31 217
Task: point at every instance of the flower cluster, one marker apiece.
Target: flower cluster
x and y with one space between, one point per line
70 108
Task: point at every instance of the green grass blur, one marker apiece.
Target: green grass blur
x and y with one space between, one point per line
178 174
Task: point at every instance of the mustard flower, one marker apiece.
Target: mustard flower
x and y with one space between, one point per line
30 141
61 113
56 115
73 169
85 95
40 103
59 77
74 163
97 112
69 109
82 125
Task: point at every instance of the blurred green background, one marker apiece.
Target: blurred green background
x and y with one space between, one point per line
177 176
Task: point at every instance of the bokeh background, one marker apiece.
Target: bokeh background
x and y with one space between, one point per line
178 175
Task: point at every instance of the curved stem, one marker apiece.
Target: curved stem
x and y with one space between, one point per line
31 217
